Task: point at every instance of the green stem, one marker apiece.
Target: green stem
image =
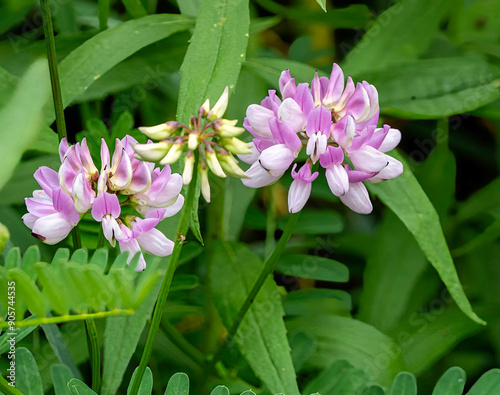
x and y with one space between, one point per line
7 389
179 340
167 281
54 74
269 266
77 242
95 354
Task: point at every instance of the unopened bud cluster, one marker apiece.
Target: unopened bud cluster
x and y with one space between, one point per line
208 133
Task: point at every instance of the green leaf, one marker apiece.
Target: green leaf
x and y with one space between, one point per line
215 55
341 338
318 222
146 386
28 379
303 347
318 301
13 258
58 344
407 29
434 88
237 198
184 281
248 392
261 337
428 337
178 385
374 390
406 198
322 4
30 257
29 291
61 375
78 388
33 93
340 378
482 201
220 390
315 267
194 220
452 382
21 333
134 8
393 268
120 341
99 54
404 384
488 383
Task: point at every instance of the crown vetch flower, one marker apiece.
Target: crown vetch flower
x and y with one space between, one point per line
336 123
215 139
79 188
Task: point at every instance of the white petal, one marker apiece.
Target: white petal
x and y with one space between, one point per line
357 199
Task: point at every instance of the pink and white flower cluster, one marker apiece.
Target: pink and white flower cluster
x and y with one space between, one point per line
336 123
79 188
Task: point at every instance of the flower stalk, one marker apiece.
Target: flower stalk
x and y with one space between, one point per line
54 74
269 266
167 281
95 354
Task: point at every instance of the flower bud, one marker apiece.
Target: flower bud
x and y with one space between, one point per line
230 166
161 131
213 163
193 141
152 152
204 109
220 107
4 237
226 128
205 185
173 154
187 174
235 146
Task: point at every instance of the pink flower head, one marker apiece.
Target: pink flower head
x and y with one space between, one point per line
334 121
78 189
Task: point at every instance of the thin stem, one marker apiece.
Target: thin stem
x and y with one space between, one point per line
95 354
7 389
54 74
269 266
167 281
77 242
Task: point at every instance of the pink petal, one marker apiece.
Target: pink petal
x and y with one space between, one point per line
357 199
291 113
105 204
392 170
47 178
156 243
298 195
391 140
368 159
258 117
278 157
52 228
258 177
337 179
65 205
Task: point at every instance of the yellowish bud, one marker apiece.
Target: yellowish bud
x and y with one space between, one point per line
205 185
173 155
214 164
152 152
226 128
220 107
235 146
230 166
187 174
193 141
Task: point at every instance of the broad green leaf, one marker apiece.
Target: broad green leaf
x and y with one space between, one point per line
402 32
99 54
184 281
434 88
303 347
315 267
236 200
215 55
404 384
452 382
28 379
248 392
61 375
32 92
393 268
482 201
13 12
341 338
339 378
178 385
490 234
220 390
146 386
189 7
78 388
120 341
488 383
374 390
428 337
407 200
261 336
318 222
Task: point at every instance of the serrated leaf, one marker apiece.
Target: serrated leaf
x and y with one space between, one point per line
146 386
315 267
261 336
406 198
28 379
452 382
215 55
178 385
404 384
